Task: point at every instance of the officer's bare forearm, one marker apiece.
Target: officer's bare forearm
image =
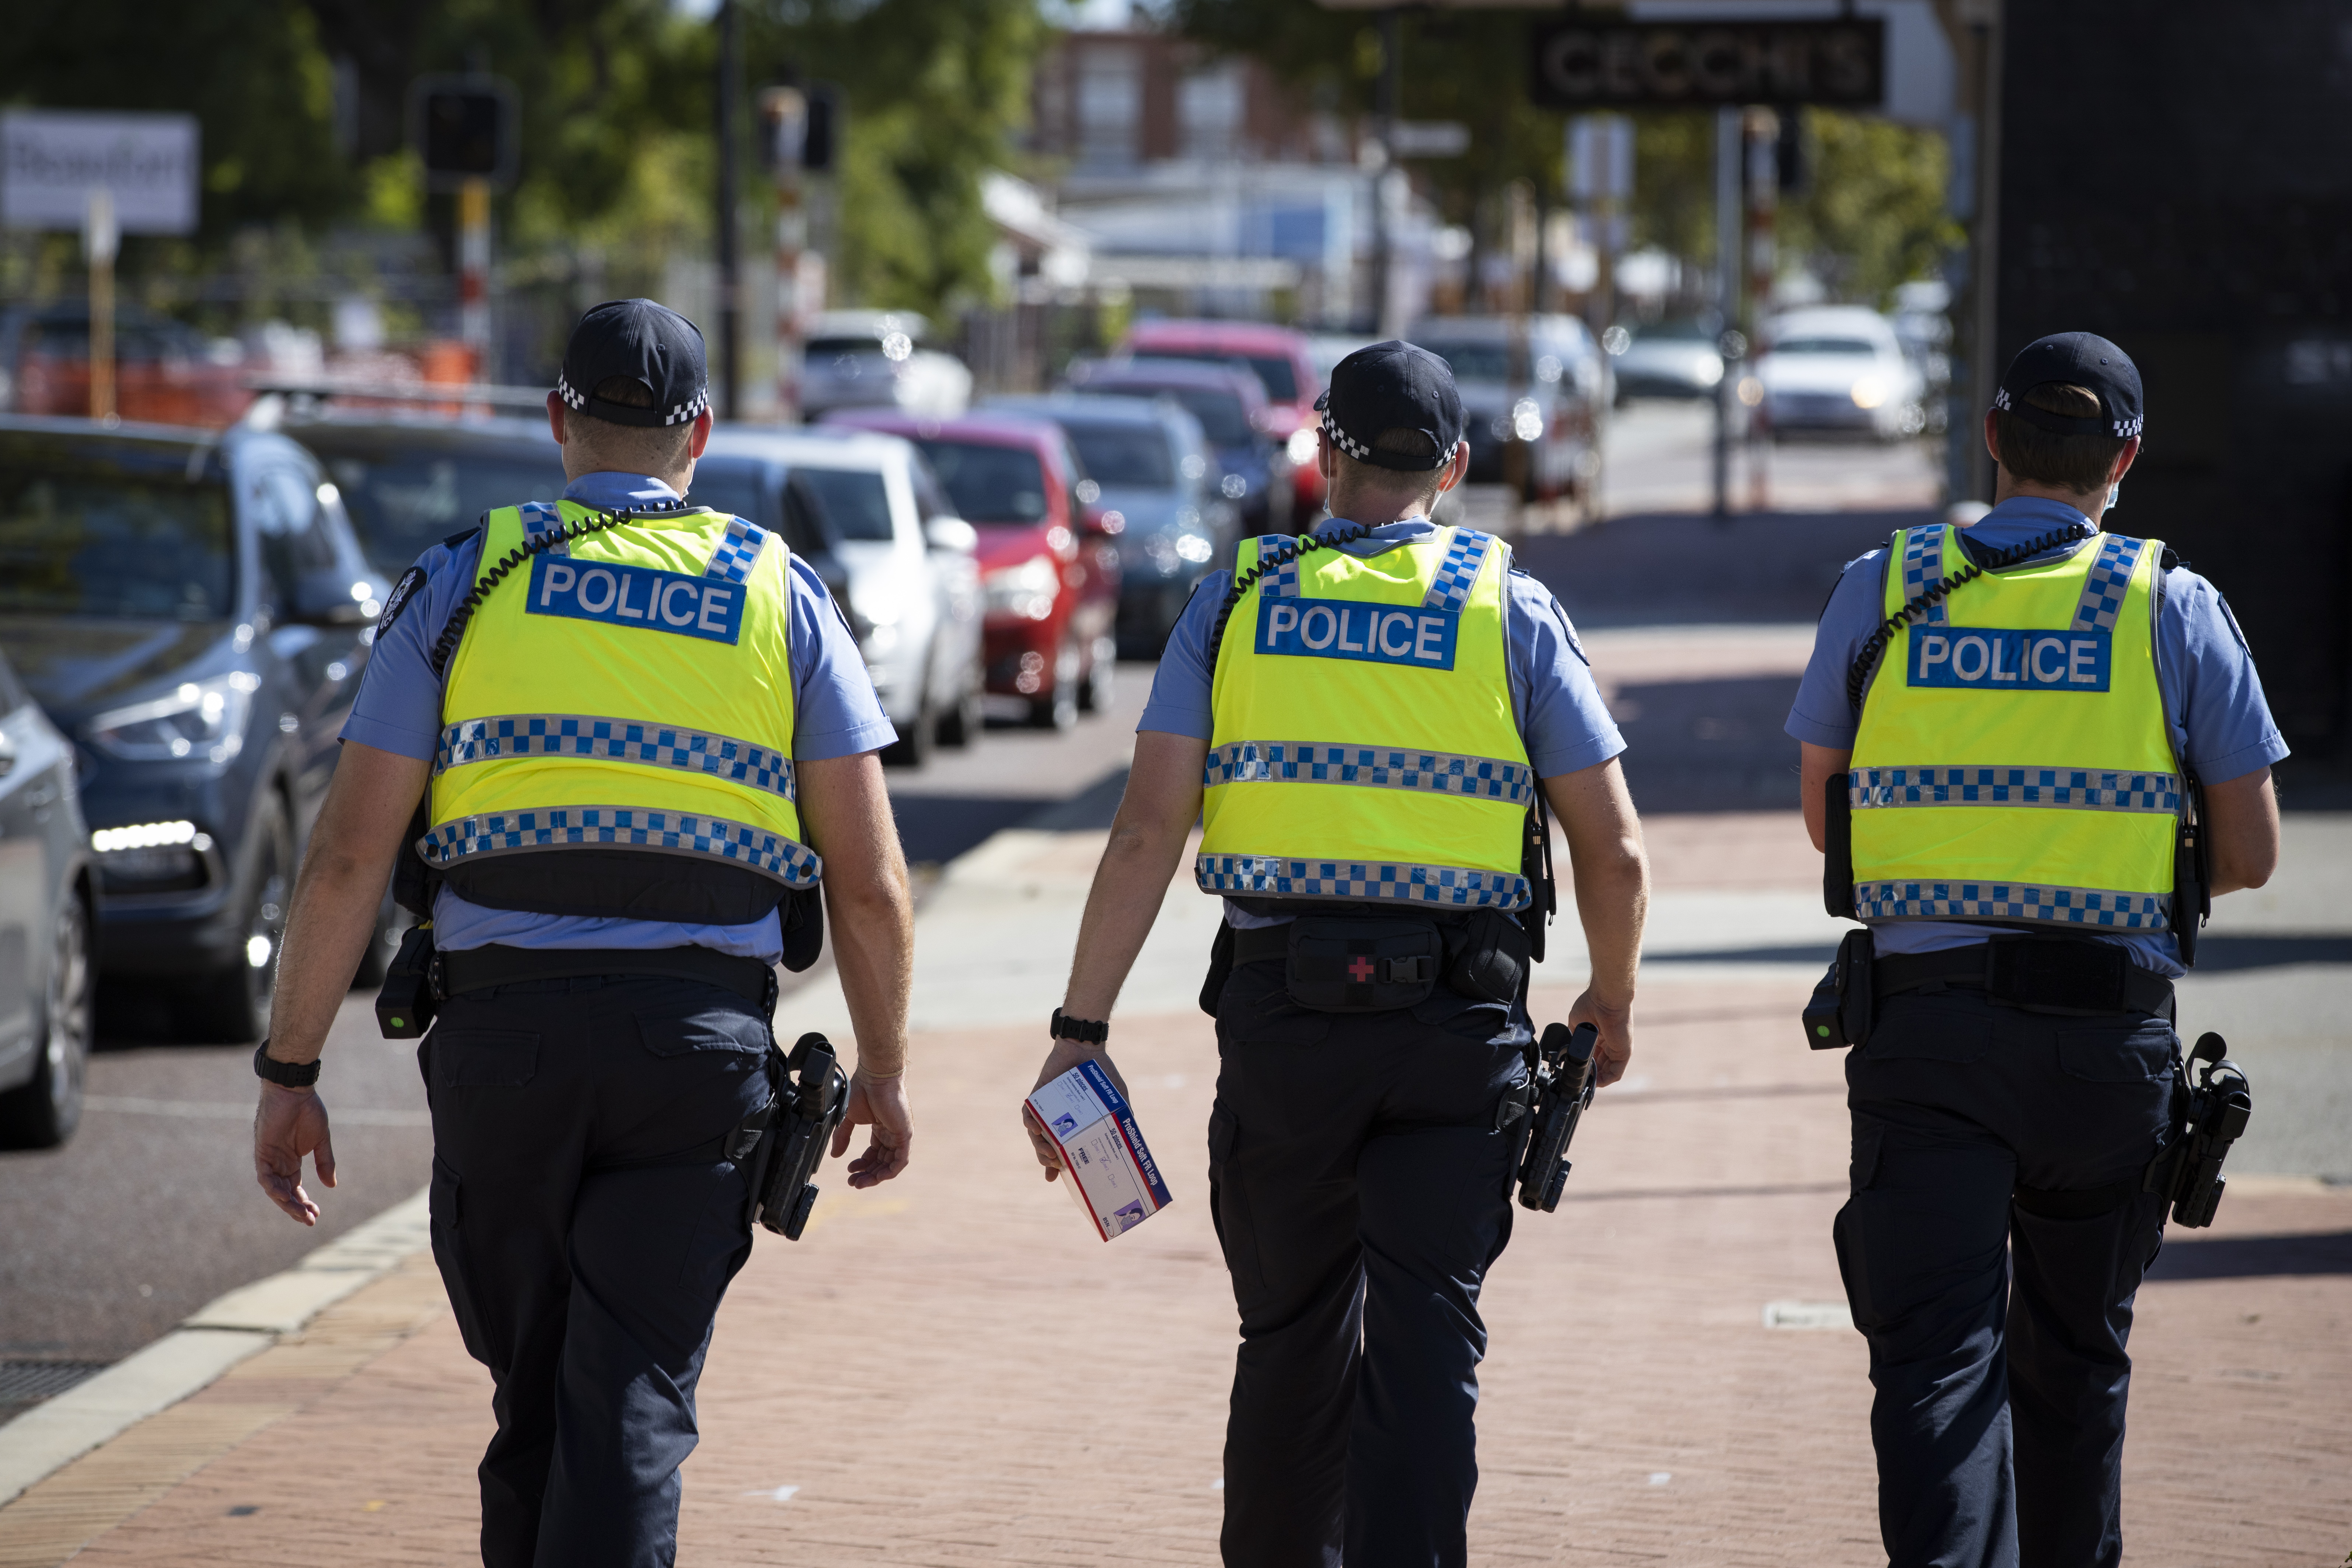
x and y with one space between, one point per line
340 888
846 812
1611 872
1146 844
2242 828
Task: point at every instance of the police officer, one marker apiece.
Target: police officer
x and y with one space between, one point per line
1362 717
646 734
2017 752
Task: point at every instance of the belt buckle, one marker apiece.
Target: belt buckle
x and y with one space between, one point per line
2068 973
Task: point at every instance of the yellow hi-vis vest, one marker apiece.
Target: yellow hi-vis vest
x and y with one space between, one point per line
1364 744
617 723
2014 763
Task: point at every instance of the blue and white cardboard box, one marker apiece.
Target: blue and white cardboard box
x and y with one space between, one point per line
1104 1162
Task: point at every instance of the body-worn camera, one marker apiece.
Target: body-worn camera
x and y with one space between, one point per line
811 1095
1564 1088
2219 1105
405 1005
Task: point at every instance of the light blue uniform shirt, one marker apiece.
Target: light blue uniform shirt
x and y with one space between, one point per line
834 714
2221 726
1562 722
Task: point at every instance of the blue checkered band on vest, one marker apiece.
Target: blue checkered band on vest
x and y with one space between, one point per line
1279 875
540 518
623 826
1449 589
737 548
1923 566
2085 789
2014 901
2110 578
614 741
1377 767
1282 583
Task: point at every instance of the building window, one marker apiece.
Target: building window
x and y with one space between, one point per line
1209 113
1110 107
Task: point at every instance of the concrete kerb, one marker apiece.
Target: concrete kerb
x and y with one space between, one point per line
233 1327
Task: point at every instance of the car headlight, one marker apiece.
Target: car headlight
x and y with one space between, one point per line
1527 420
205 716
1706 369
1301 444
1193 548
1869 392
142 856
1232 487
1026 590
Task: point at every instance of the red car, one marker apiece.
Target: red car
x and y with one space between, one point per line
1279 356
1048 572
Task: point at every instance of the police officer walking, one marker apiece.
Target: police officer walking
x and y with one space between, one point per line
647 735
2006 733
1363 717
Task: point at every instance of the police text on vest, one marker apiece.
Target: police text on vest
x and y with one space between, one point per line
1413 635
637 597
2001 658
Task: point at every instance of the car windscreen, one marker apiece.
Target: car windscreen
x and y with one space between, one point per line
1134 456
82 542
404 503
856 501
989 484
1280 380
1476 362
1223 420
1682 331
1821 345
821 348
736 489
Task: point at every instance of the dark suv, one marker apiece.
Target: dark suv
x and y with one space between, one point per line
193 611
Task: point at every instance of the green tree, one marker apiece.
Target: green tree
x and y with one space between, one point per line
1874 214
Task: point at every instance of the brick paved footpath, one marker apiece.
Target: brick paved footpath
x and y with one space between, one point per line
952 1369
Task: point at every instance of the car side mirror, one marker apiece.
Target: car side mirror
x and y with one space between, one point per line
333 597
951 533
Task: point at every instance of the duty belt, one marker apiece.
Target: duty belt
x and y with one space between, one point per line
2059 975
480 968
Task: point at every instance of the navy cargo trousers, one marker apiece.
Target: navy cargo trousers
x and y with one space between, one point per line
586 1223
1360 1191
1997 1311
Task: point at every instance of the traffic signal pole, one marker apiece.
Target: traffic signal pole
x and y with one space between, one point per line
1729 230
731 291
473 271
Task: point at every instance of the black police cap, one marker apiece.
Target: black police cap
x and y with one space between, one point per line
2078 359
1391 386
646 343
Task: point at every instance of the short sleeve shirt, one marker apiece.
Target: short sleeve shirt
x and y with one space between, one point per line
835 713
1563 722
2214 699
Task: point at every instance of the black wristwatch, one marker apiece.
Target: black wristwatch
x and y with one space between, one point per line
1087 1031
285 1075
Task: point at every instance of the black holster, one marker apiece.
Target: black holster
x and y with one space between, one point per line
1844 1004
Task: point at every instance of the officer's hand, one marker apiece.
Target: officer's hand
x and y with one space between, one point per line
881 1104
1065 1055
287 1125
1614 1049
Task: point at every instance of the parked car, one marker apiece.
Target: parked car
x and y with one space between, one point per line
1679 357
1281 358
412 479
1049 569
165 370
1253 468
876 358
1149 464
1554 412
48 902
194 610
912 586
1839 369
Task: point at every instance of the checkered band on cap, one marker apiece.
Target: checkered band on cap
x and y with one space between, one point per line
2109 580
573 399
688 410
1277 876
2099 907
1923 566
2081 789
1345 442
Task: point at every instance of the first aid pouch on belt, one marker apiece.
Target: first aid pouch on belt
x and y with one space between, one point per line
1104 1162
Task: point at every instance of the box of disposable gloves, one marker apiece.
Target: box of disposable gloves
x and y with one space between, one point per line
1104 1162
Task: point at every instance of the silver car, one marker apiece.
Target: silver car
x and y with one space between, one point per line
913 589
1554 412
1838 368
877 359
47 909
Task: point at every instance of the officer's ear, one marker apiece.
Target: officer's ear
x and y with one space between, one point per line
555 412
2124 460
696 438
1456 468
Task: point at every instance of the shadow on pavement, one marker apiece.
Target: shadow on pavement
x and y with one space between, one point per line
2215 954
1709 746
2248 1257
1682 569
939 827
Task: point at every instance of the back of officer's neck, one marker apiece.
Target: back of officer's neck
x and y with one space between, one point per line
2090 503
1371 508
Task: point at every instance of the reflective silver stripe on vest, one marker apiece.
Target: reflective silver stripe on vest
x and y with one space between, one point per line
1923 565
2085 789
1379 767
541 518
731 558
1278 876
1450 588
2109 580
2096 907
677 832
614 741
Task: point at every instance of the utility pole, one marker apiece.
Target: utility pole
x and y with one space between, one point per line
1763 127
101 238
473 271
1389 107
731 293
1728 152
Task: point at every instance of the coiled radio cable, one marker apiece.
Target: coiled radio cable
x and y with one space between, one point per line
1244 581
1866 658
454 630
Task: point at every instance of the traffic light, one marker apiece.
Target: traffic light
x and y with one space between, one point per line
464 128
799 128
821 141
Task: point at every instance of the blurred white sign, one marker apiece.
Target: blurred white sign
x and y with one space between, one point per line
50 160
1429 139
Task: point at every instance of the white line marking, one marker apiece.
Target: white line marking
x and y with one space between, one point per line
232 1110
780 1494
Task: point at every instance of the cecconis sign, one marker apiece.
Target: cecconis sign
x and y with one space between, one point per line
1657 64
51 160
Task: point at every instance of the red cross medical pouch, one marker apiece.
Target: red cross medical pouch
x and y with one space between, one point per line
1362 966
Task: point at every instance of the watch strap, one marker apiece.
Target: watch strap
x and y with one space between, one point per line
1087 1031
286 1075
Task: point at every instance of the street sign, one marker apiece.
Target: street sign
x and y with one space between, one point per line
1577 64
1600 158
464 128
1429 139
51 160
